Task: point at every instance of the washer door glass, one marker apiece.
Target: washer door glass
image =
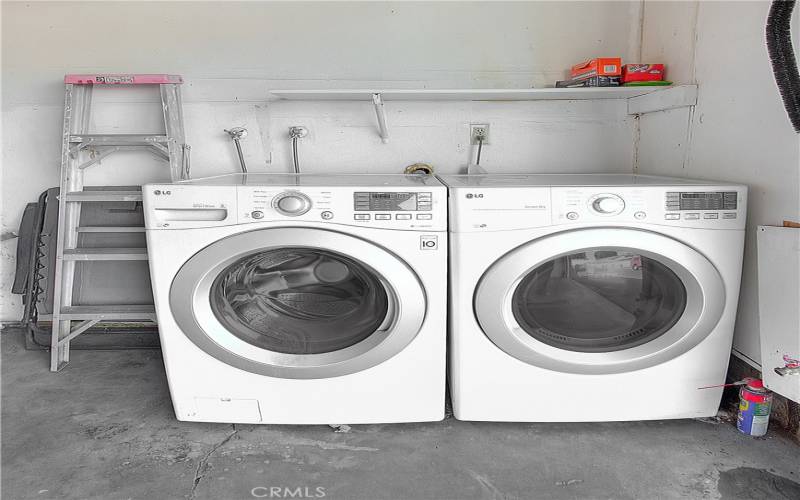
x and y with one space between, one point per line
299 303
299 300
599 300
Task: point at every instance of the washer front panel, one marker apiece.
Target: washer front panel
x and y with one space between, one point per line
193 291
702 301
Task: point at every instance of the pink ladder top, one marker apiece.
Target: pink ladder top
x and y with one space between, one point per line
122 79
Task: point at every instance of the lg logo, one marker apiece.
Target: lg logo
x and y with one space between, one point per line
159 192
476 195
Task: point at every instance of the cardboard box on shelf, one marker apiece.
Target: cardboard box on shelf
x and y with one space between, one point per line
600 66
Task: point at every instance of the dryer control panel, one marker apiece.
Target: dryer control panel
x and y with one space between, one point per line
700 207
492 208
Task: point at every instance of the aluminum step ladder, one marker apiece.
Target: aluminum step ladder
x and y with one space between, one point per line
76 141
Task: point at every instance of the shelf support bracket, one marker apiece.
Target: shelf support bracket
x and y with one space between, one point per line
380 112
680 96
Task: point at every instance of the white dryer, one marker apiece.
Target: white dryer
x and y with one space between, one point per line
301 299
591 297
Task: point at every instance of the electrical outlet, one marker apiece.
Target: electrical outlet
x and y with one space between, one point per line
479 130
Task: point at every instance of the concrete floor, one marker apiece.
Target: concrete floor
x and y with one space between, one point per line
104 429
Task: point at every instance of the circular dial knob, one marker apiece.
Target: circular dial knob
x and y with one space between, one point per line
291 203
607 204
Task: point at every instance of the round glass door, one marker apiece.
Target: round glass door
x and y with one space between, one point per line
298 302
570 302
599 300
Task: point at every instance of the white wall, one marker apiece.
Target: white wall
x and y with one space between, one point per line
231 53
738 131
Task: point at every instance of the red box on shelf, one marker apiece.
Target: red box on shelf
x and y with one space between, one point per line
601 66
642 72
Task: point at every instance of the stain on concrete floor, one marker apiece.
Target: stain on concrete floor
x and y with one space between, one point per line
104 429
747 482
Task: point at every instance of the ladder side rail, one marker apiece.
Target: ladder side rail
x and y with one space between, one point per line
77 107
172 105
59 354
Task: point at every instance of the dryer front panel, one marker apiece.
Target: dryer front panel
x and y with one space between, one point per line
597 301
298 302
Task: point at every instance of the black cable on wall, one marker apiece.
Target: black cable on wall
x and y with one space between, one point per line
781 54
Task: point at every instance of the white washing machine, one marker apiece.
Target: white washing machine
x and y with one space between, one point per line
591 297
301 299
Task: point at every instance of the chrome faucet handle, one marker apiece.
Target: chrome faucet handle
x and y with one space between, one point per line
237 133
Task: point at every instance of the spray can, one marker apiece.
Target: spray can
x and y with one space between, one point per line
755 403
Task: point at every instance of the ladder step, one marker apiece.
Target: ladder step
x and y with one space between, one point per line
104 196
105 254
118 312
119 139
110 229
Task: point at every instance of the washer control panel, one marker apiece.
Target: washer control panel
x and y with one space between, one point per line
180 206
388 208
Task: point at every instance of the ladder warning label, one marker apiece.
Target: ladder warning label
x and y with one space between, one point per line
114 79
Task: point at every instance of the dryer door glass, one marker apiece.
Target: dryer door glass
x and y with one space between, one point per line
299 300
599 300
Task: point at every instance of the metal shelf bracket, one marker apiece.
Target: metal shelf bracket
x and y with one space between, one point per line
380 112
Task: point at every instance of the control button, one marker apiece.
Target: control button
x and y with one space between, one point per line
257 214
672 216
291 203
711 216
326 215
361 217
383 216
572 215
640 215
607 204
424 216
424 196
403 216
691 216
729 215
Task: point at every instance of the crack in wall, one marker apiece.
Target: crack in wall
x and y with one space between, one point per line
199 472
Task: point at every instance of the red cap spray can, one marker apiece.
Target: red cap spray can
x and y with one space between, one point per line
755 403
